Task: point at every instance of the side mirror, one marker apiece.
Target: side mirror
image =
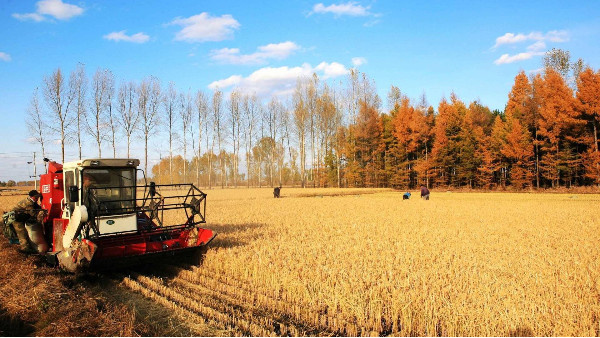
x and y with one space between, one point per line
73 193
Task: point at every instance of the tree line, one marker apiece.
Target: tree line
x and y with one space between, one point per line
338 136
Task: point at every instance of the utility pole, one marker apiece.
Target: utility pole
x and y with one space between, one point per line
34 171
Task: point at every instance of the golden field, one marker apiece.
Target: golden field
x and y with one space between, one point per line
460 264
363 262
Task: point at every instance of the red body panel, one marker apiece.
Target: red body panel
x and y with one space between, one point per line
146 242
51 186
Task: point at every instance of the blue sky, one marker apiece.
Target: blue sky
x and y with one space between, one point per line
474 48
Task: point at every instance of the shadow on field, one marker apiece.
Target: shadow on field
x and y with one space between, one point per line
11 326
521 331
235 235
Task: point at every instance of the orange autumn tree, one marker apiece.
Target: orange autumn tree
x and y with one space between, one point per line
556 116
425 162
518 144
518 151
470 142
447 146
402 124
369 146
588 104
520 100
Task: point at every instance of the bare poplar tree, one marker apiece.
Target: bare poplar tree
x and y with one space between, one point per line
77 89
149 98
35 123
311 104
112 120
282 121
191 126
170 104
250 109
301 118
393 97
128 113
235 122
185 115
60 105
202 111
273 117
96 120
217 103
329 119
286 135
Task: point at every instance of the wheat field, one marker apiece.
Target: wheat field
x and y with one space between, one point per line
364 263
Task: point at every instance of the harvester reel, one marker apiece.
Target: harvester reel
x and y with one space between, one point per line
195 206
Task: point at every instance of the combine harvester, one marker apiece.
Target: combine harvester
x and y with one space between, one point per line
98 215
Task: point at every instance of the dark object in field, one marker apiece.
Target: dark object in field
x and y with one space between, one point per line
277 192
406 196
424 193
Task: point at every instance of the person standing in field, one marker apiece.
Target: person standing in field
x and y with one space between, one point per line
424 193
26 212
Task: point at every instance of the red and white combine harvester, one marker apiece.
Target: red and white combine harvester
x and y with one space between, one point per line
98 215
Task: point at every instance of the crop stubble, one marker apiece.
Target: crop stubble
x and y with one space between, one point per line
460 264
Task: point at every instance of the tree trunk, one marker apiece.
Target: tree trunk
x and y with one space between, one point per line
62 141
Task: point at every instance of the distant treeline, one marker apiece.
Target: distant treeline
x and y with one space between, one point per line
340 136
12 183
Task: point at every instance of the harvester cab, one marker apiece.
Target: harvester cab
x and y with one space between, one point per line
98 214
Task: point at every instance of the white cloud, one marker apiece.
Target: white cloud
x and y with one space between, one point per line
53 8
271 51
58 9
121 36
330 70
203 27
358 61
505 58
557 36
552 36
349 8
534 49
29 16
279 81
537 46
233 80
5 57
509 38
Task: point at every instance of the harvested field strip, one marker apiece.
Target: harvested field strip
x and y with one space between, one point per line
237 309
241 303
258 307
316 317
181 311
173 299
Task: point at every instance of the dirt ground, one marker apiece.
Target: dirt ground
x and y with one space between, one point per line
37 299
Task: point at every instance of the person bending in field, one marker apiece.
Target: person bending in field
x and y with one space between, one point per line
406 196
27 212
277 192
424 193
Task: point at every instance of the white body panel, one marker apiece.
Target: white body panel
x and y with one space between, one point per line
78 216
120 223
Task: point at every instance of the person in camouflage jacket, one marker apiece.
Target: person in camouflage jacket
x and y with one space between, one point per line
27 211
